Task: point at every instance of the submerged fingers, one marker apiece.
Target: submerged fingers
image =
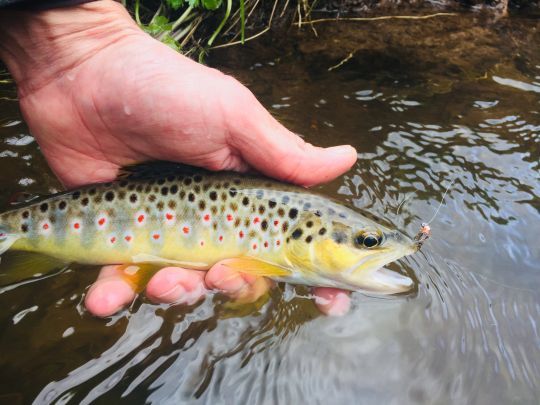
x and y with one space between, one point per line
117 286
332 301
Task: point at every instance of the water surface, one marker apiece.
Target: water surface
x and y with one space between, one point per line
424 102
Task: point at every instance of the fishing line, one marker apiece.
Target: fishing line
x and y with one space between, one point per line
441 202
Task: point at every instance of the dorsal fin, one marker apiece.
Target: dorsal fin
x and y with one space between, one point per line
148 170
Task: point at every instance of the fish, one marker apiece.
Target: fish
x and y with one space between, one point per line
193 218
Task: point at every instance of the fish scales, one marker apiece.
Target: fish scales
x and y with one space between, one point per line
197 220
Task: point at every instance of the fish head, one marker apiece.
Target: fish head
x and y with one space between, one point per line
351 253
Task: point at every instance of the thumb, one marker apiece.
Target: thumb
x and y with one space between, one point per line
273 150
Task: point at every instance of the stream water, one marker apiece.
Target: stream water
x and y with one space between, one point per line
424 102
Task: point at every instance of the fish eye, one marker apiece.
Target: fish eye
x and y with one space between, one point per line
368 240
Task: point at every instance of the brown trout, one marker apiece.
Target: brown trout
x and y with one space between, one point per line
193 219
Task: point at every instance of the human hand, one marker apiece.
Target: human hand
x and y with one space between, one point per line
99 94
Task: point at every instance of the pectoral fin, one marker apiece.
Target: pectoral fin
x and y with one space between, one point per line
24 265
256 267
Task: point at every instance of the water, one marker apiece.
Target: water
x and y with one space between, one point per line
423 102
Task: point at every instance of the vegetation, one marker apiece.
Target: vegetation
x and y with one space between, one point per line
179 23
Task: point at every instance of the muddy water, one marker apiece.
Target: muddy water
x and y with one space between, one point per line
424 102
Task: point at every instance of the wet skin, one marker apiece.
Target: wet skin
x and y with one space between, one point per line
150 103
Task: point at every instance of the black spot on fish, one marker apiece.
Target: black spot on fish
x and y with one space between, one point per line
191 197
205 187
285 199
121 194
174 189
85 201
224 196
161 182
322 231
24 228
245 201
234 206
97 199
331 211
214 226
259 194
170 178
246 222
26 214
187 181
237 181
288 240
76 195
164 191
342 215
226 184
182 194
131 187
160 205
61 206
213 210
197 189
156 189
109 196
296 233
233 192
309 239
202 205
52 219
306 206
152 197
236 222
123 183
172 204
272 203
281 212
293 213
261 209
318 213
264 225
148 188
139 188
309 224
213 195
44 207
133 198
197 178
92 191
285 226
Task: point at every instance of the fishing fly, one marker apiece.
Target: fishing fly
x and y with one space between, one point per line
425 230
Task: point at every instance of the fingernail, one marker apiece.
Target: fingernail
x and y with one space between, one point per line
341 151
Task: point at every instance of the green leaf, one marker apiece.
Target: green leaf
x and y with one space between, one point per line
171 42
158 25
211 4
174 4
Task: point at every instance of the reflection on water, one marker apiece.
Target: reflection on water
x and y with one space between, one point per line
425 103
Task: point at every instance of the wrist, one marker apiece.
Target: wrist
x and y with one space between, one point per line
38 47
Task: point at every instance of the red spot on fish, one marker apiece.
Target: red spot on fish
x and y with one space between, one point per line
169 216
76 225
202 242
45 226
155 236
265 244
254 246
140 218
278 243
101 221
241 234
207 217
113 239
276 222
256 220
185 229
229 217
128 238
221 238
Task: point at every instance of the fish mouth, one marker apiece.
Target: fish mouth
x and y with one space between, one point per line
388 282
